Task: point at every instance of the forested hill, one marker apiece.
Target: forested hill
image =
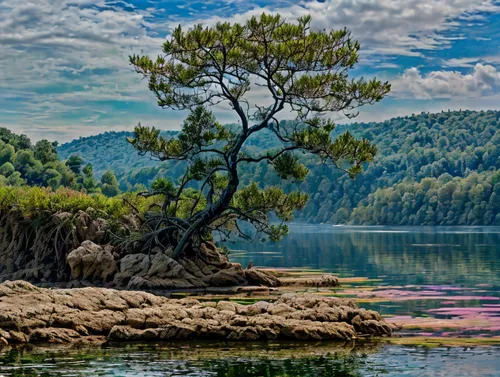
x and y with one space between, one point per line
436 169
111 151
107 151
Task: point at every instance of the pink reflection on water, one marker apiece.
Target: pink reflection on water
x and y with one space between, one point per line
465 311
445 288
402 295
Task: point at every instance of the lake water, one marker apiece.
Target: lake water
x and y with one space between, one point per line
398 255
163 360
459 264
452 273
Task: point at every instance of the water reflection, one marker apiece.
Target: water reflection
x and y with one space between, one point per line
414 271
398 255
458 265
154 360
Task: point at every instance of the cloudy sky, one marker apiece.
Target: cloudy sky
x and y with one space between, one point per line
64 70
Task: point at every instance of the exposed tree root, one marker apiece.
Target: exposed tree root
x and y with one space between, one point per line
83 249
36 249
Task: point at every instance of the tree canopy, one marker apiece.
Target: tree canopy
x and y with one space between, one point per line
293 70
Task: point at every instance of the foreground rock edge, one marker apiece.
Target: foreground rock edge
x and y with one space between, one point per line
29 314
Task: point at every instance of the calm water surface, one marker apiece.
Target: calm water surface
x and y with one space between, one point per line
459 265
398 255
456 262
162 360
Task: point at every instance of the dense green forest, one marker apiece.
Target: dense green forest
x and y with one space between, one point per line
111 151
25 164
107 151
435 169
474 200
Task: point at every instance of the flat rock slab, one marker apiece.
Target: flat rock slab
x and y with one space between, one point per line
30 314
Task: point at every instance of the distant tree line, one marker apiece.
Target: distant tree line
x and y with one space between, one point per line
474 200
23 163
455 152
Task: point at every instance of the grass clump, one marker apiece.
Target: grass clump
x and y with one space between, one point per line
35 201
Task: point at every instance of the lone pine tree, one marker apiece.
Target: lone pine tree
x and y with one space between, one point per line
294 72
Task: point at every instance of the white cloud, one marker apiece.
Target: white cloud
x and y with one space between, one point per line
472 61
46 43
461 62
482 81
390 27
61 57
388 65
63 61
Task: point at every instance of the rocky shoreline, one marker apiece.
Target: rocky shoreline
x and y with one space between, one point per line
29 314
73 251
69 283
95 265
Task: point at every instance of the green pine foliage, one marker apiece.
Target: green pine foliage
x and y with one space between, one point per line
301 69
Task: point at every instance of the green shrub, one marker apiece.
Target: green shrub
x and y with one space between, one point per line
32 201
7 169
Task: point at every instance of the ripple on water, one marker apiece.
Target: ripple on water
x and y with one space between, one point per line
151 361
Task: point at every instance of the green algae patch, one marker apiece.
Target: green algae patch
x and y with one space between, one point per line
358 280
374 300
435 341
179 295
293 272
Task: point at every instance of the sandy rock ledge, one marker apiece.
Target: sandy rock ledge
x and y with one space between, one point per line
29 314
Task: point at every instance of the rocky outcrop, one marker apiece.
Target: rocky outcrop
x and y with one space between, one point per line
32 314
92 262
208 268
64 249
74 250
260 277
